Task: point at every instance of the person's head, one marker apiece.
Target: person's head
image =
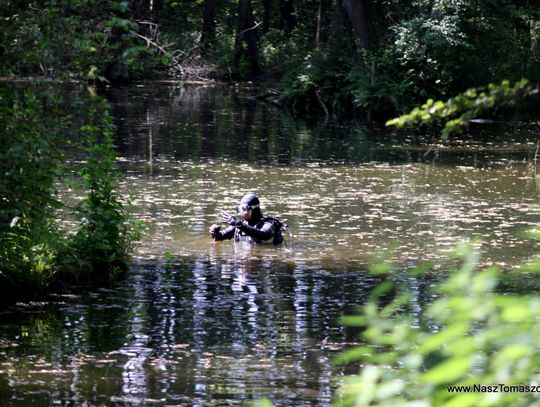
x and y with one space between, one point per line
249 208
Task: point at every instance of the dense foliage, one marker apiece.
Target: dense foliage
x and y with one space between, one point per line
417 50
29 162
336 57
34 250
85 39
472 346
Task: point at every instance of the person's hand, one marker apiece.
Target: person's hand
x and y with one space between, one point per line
214 229
230 219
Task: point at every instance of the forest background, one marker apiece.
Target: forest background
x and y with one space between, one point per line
339 58
342 58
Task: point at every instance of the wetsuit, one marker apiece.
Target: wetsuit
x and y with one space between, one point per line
265 230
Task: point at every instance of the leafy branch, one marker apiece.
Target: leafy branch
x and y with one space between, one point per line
457 112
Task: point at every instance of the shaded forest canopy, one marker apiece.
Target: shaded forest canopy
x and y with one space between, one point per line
325 56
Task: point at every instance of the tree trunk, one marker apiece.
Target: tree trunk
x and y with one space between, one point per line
143 9
287 16
245 32
266 15
318 30
358 12
337 23
117 71
208 34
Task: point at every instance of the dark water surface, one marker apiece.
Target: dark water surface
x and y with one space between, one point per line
224 324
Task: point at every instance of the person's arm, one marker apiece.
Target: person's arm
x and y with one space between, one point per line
262 234
218 235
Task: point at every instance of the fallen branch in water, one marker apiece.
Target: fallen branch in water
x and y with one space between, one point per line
267 94
265 97
176 58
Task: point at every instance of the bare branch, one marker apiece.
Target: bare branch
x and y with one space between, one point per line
248 29
322 103
150 42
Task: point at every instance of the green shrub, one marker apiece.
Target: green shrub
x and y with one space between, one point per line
103 243
29 163
340 85
469 335
34 252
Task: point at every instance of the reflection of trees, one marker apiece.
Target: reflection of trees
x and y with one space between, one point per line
238 311
224 326
190 122
136 347
244 116
193 122
207 122
57 348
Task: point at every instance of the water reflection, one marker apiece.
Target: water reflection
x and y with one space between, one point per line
136 349
348 191
217 329
202 123
228 323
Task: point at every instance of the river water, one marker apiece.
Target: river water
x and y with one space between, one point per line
224 323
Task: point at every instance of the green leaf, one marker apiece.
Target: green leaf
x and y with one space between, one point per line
264 402
448 372
437 340
380 268
354 320
165 60
389 389
463 400
513 352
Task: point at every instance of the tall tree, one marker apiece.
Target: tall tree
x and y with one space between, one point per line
318 28
208 35
141 9
117 70
337 22
266 14
246 33
287 15
358 12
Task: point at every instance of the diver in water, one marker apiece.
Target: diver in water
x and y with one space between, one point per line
251 226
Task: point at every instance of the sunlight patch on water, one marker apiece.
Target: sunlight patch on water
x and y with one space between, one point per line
343 212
